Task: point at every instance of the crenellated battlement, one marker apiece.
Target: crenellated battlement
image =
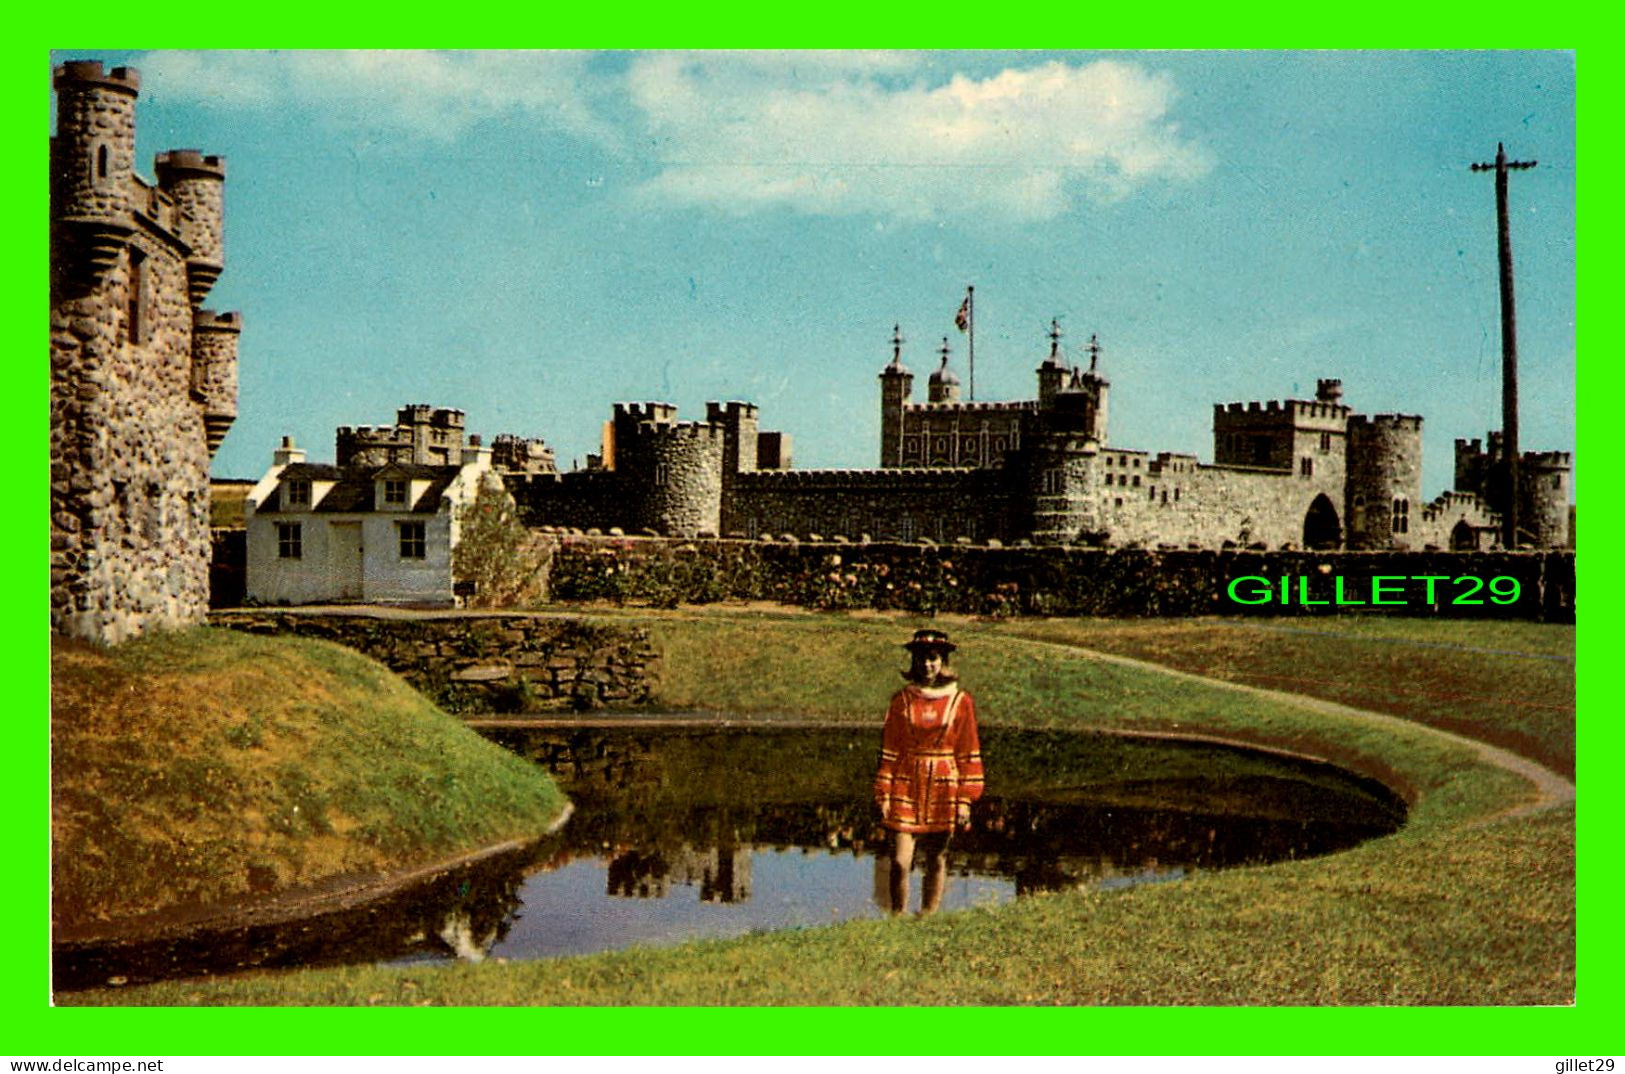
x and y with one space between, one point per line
210 321
1450 502
716 413
889 478
973 408
678 432
1284 409
1402 422
427 414
638 413
178 164
76 73
1548 460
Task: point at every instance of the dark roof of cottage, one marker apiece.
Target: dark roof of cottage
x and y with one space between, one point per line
354 489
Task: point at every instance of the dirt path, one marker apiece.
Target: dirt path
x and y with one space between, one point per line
1551 789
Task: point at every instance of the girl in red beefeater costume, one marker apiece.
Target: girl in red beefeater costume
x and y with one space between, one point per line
930 767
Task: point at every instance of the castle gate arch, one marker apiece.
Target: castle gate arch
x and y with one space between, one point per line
1321 528
1463 538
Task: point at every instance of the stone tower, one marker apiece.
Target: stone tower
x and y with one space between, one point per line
1384 485
1064 438
896 384
1543 487
671 471
143 379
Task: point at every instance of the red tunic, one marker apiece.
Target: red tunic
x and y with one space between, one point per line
930 759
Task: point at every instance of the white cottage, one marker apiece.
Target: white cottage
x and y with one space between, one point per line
375 534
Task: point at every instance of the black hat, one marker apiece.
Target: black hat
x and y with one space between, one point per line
929 639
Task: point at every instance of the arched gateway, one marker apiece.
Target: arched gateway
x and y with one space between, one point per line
1321 528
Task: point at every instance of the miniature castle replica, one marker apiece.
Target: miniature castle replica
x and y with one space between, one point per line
382 522
143 379
1291 474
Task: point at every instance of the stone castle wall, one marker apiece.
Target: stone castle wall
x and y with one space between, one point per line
1047 580
894 504
1179 501
486 663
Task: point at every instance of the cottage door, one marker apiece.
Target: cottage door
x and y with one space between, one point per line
345 559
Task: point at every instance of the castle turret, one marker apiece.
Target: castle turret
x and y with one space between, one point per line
896 384
1052 374
93 163
1543 487
739 422
197 183
671 471
1094 388
143 387
1384 483
214 371
943 385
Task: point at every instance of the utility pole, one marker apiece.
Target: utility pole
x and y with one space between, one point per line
1509 340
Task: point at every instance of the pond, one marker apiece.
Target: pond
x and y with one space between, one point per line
707 831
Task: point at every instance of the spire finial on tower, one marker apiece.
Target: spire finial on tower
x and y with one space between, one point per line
943 350
897 344
1094 351
1054 339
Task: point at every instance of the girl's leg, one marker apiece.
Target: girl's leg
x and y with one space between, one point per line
902 860
936 870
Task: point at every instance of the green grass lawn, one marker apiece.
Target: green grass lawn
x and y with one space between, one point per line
1456 908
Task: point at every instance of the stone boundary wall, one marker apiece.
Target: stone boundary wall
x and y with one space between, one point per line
485 663
1053 579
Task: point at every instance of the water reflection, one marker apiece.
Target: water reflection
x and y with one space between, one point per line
703 833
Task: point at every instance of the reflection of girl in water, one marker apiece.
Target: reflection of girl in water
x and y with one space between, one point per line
930 767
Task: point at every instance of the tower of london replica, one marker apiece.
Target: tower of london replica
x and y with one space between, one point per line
143 378
1285 474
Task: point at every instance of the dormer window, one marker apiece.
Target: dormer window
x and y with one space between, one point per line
298 492
394 493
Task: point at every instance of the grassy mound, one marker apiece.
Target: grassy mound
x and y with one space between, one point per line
206 765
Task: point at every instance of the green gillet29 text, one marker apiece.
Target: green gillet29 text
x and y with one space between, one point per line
1379 589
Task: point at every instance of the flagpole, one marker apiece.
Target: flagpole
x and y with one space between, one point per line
970 298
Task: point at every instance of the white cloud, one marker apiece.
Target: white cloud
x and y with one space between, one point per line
836 133
435 95
848 135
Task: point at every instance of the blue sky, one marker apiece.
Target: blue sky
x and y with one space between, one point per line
531 237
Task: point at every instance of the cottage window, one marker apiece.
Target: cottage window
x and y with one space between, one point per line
395 493
414 542
298 492
289 541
